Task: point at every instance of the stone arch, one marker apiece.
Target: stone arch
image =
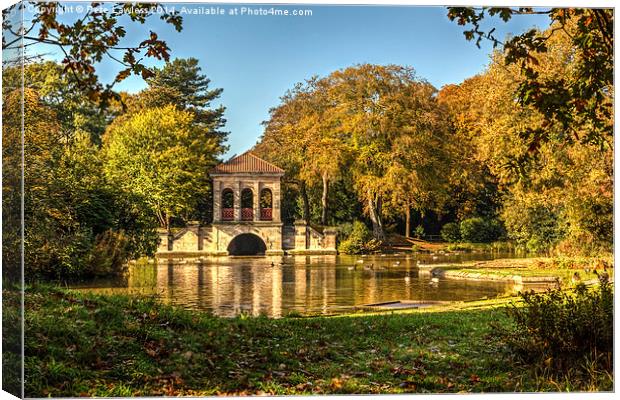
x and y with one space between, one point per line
247 205
247 244
266 204
228 205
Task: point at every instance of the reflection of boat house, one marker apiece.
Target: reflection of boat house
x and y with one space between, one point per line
247 216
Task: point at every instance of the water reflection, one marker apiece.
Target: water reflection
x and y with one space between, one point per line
276 286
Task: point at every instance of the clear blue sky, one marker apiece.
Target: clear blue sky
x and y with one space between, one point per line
255 59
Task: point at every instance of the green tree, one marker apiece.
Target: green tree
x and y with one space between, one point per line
61 93
162 155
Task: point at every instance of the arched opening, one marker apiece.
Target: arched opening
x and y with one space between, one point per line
247 205
247 244
266 205
228 205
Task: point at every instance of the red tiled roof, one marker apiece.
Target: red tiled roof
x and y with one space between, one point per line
246 163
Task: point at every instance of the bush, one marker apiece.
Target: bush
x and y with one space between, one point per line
561 330
479 230
418 232
451 232
532 224
359 241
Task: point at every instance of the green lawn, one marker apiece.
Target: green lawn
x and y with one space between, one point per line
80 344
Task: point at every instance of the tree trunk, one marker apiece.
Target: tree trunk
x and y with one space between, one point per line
407 221
304 197
161 218
324 200
374 208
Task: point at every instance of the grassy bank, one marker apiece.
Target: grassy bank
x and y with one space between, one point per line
80 344
569 271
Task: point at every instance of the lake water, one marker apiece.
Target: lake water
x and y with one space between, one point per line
306 285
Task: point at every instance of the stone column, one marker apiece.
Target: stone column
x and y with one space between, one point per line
301 235
275 200
256 205
217 200
237 189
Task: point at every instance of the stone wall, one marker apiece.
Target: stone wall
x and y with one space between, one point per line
214 239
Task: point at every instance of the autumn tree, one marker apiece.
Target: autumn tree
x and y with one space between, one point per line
577 107
386 111
562 198
374 127
99 34
284 140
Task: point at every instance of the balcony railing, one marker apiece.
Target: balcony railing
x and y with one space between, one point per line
247 214
266 214
228 214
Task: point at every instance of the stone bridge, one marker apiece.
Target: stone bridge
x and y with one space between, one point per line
247 218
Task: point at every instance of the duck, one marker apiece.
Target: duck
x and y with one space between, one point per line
369 267
272 264
576 277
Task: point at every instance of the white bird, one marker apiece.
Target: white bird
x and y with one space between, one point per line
360 261
351 268
397 263
435 280
407 279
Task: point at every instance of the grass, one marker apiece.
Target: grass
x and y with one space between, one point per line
84 344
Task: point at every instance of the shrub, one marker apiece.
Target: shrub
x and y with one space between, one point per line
343 231
418 232
359 241
451 232
534 225
564 329
479 230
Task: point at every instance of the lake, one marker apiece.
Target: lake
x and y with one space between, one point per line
306 285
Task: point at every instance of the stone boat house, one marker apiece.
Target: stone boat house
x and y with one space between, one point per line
247 217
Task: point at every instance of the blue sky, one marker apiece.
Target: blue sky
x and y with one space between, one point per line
255 59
